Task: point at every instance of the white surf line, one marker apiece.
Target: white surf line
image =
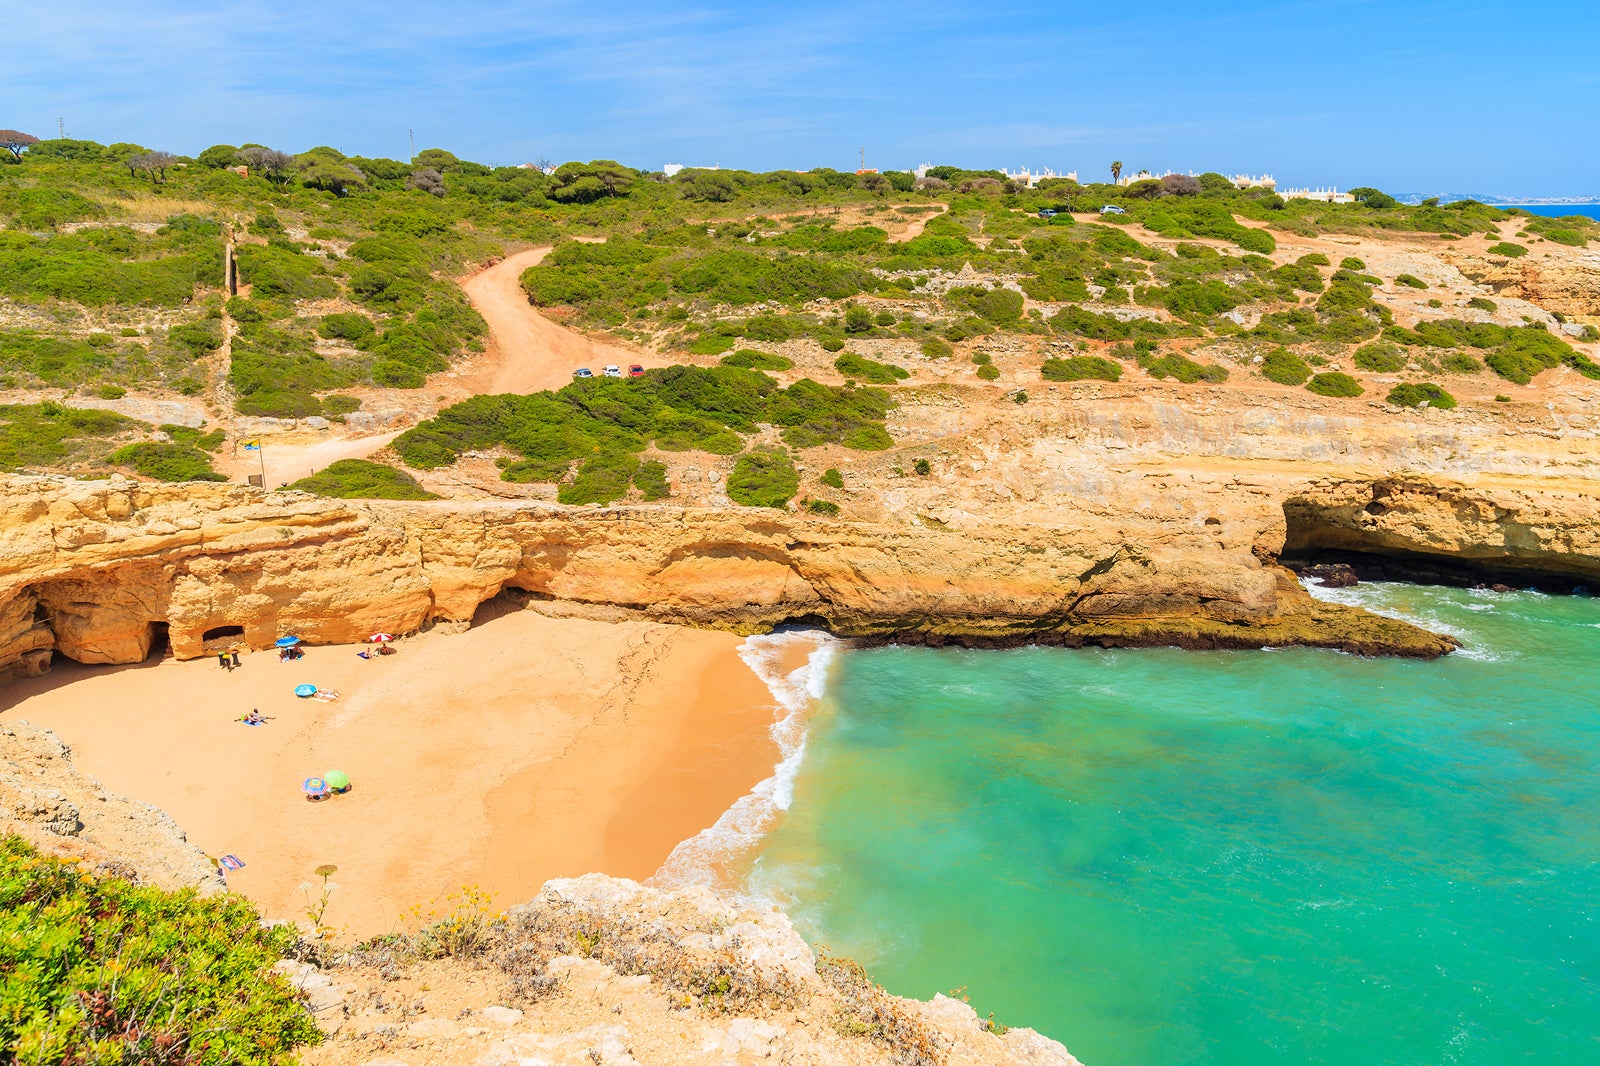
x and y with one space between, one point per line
696 861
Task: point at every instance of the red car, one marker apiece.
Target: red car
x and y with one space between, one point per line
636 371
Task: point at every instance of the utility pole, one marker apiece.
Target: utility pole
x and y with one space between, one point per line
413 135
61 127
863 158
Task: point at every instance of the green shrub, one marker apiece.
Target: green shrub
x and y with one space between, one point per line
167 461
651 480
1181 368
764 478
195 438
1381 357
822 507
1081 368
711 344
1001 306
1335 384
1315 259
1502 398
360 479
1482 303
832 478
989 372
1410 281
1350 262
1460 363
832 344
922 467
934 348
110 392
1416 395
751 359
99 970
1284 367
348 326
49 434
1510 251
861 368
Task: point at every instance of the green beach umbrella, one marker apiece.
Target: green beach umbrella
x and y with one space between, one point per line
337 780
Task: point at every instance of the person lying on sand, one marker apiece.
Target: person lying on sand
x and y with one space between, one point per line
325 694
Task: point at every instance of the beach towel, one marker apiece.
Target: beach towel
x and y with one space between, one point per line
232 862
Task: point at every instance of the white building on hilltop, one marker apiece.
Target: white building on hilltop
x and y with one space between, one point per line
1331 196
1245 181
1030 177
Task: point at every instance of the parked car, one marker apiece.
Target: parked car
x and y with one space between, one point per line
613 371
583 372
1112 209
1048 212
636 371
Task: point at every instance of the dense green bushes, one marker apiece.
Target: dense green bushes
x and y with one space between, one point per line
360 479
113 266
50 434
1284 367
1081 368
99 970
1334 384
1419 394
1507 249
168 461
765 478
604 423
871 371
1180 367
1381 357
750 359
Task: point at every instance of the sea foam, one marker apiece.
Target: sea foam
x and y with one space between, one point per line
702 858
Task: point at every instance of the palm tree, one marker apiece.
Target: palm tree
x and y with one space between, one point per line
1116 171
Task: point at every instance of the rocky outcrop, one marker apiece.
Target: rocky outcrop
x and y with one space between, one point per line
101 572
47 801
598 969
1490 532
1570 289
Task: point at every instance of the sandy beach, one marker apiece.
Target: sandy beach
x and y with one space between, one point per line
525 748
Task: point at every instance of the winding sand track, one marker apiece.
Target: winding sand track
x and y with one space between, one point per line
527 351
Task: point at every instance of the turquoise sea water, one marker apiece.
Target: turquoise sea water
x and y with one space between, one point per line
1558 210
1160 856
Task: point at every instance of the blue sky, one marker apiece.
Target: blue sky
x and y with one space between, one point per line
1408 96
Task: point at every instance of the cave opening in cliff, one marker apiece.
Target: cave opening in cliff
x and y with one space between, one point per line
218 633
1336 552
161 641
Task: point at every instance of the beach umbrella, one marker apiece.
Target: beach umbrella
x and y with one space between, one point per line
315 786
287 642
382 638
337 780
305 691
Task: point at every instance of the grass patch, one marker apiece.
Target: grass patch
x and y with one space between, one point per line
750 359
167 461
1284 367
50 434
1423 394
871 371
1081 368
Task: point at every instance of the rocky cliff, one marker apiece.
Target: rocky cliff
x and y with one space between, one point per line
102 572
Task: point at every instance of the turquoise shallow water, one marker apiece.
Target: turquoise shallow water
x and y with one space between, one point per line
1160 856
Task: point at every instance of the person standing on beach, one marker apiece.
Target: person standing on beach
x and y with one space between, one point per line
235 655
222 660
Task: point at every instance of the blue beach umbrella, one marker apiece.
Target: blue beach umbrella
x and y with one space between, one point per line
287 642
304 691
315 786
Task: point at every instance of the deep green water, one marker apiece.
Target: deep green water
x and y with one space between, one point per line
1231 857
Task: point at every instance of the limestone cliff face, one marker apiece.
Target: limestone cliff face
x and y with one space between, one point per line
101 571
1496 530
1570 289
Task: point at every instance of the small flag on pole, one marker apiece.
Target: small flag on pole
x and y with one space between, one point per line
252 445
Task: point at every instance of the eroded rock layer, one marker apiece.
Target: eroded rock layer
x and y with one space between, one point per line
103 572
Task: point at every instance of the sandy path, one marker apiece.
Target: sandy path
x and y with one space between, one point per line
498 757
527 352
290 460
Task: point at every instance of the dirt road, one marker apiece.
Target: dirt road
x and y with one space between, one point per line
528 352
289 460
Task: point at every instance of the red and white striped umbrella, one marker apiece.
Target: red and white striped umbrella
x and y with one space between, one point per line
382 638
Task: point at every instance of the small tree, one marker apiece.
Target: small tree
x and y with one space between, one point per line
16 142
1116 171
1180 185
428 180
268 162
153 164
